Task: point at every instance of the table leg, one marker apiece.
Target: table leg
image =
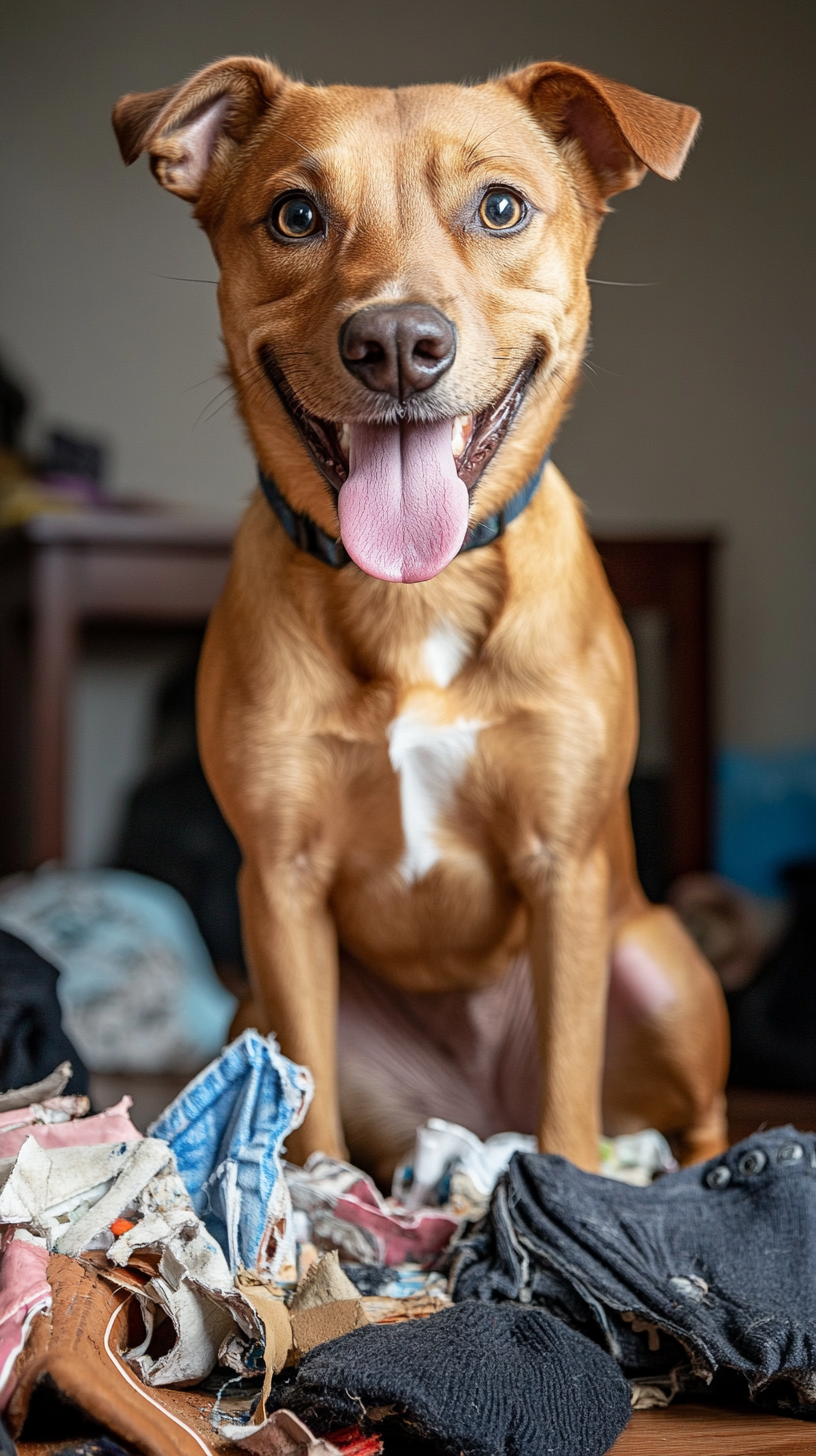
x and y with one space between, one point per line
54 643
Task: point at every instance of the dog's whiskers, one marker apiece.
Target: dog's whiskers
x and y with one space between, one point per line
616 283
174 278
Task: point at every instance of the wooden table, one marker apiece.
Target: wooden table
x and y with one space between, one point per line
688 1430
697 1430
61 573
57 573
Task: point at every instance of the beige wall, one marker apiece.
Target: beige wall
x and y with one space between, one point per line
699 412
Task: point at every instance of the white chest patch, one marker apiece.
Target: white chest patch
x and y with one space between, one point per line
431 760
445 651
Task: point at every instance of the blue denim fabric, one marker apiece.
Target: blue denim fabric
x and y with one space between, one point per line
227 1129
716 1262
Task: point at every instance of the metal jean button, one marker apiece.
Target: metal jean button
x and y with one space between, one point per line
790 1153
752 1162
718 1177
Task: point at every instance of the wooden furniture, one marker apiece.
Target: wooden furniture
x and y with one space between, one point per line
672 576
59 574
698 1430
688 1430
682 1430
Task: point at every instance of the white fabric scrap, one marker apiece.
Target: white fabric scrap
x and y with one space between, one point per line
445 1151
69 1195
280 1434
201 1323
444 1148
193 1286
636 1157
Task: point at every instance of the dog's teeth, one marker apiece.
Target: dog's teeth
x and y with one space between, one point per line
460 433
345 439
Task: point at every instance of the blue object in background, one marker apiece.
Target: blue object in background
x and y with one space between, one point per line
137 987
766 815
227 1129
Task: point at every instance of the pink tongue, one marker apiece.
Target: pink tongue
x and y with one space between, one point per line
403 510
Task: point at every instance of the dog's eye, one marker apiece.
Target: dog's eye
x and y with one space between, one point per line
294 216
500 210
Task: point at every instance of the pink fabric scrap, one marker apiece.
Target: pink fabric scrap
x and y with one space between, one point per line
400 1237
112 1126
24 1291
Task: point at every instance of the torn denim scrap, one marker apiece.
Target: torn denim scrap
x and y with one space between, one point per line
227 1130
712 1267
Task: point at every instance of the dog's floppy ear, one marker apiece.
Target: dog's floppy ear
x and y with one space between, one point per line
621 131
192 128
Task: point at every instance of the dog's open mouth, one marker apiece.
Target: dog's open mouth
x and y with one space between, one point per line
403 489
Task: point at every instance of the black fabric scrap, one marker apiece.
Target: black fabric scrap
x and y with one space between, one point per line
482 1380
371 1278
32 1041
720 1258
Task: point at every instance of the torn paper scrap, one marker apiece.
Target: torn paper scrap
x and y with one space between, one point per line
53 1109
200 1324
323 1283
325 1305
274 1318
226 1130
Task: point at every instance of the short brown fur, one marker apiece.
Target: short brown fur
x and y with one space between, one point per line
304 667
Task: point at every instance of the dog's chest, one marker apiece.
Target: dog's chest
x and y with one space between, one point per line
431 760
432 744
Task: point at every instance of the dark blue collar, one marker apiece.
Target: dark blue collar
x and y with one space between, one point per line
310 537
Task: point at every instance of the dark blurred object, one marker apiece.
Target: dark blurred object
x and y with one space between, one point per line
174 830
773 1020
32 1041
75 467
735 930
70 455
663 586
650 808
13 410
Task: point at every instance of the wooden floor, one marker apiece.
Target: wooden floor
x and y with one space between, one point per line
679 1431
694 1430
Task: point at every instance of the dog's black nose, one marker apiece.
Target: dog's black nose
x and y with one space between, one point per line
398 350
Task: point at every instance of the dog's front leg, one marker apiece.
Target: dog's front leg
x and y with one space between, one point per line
292 951
569 949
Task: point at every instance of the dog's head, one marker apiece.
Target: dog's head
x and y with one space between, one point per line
403 275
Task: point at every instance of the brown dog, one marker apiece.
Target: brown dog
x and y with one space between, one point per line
425 754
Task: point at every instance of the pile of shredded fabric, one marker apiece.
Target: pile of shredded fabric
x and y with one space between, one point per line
189 1291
